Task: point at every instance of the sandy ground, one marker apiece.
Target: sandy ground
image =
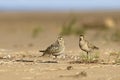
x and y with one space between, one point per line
48 71
19 51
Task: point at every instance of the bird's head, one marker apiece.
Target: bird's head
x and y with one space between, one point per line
81 37
60 40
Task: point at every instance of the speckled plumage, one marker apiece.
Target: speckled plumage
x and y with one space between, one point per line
56 48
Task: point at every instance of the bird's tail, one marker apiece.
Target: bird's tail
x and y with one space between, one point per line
96 47
41 50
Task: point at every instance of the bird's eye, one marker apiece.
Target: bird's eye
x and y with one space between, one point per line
80 39
60 39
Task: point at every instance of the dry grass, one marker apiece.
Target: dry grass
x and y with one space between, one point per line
91 59
115 57
72 28
36 32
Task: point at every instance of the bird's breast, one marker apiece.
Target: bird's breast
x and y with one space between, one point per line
84 46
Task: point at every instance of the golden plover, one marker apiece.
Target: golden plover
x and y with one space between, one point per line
56 48
85 45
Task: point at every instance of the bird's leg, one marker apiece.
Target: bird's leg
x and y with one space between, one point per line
90 57
87 57
49 55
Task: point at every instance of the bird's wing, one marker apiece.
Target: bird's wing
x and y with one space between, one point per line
53 48
91 46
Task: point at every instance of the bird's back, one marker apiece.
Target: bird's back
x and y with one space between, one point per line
92 46
54 48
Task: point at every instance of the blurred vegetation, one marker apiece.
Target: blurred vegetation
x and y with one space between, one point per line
116 56
91 59
36 32
95 25
68 29
80 30
110 35
116 35
118 62
106 28
72 28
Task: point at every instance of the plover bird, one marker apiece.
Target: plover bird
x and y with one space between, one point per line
56 48
85 45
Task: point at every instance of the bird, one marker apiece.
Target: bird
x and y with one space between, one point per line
86 46
55 48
